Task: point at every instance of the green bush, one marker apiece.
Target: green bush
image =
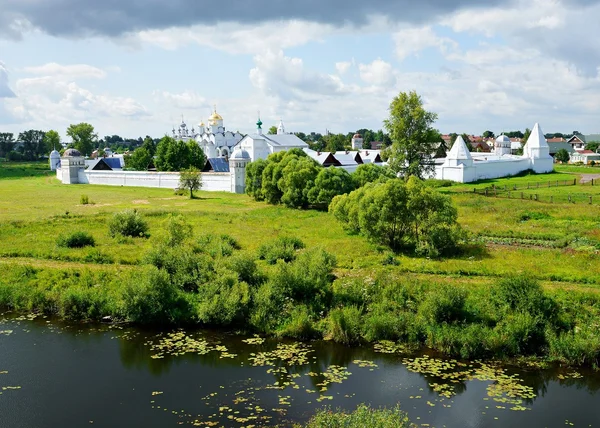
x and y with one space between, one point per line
84 200
283 248
444 304
128 223
76 240
362 417
299 325
152 298
344 325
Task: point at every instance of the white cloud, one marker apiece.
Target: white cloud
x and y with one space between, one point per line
343 67
411 41
278 75
5 91
235 38
74 71
378 73
183 100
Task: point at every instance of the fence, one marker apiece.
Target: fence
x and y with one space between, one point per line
528 191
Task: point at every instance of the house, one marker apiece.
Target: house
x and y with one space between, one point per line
371 156
585 156
480 146
555 146
377 145
579 141
260 145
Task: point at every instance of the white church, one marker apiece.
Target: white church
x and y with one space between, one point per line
464 167
213 138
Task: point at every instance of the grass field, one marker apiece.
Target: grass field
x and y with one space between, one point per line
557 244
35 208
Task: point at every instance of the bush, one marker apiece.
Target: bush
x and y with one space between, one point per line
84 200
444 304
283 248
362 417
344 325
76 240
154 299
128 223
217 246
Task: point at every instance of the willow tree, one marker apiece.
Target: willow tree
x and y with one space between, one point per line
414 140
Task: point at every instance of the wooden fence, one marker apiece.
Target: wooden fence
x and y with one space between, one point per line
526 191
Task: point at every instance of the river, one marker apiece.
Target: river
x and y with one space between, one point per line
54 374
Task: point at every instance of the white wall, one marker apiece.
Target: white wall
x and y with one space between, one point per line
493 168
211 181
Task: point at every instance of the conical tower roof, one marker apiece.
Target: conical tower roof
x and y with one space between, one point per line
536 138
459 150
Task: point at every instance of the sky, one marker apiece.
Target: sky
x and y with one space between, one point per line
137 67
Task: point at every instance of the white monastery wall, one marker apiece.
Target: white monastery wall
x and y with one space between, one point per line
211 181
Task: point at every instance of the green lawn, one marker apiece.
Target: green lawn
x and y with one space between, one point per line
35 210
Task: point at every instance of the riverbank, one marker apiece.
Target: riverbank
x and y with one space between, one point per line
339 286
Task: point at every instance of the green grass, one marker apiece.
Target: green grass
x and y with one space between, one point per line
24 169
556 244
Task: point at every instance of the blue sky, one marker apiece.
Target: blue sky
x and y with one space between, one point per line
134 68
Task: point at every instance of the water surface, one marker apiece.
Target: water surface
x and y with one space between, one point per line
53 374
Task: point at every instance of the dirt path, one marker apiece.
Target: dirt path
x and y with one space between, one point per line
586 178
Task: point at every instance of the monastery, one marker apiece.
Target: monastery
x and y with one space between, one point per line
462 166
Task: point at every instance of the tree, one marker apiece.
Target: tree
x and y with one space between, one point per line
52 140
401 213
173 155
272 130
335 142
7 143
593 146
83 136
254 172
297 179
33 144
370 172
562 156
413 139
329 183
139 160
196 156
150 145
190 179
489 134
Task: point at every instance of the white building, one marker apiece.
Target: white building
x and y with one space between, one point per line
462 166
214 139
259 145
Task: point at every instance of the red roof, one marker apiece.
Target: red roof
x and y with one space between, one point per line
586 152
556 140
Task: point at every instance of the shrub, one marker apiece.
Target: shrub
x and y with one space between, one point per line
153 299
128 223
363 416
216 246
84 200
283 248
444 304
344 325
76 240
224 301
245 266
299 325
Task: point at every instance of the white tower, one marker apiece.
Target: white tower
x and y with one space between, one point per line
459 154
237 168
70 164
54 160
280 128
357 142
502 146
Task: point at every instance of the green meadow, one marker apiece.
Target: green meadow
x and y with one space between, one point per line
555 245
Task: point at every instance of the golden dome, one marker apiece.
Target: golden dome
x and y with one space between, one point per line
215 116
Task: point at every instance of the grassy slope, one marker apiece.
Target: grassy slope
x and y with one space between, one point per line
33 211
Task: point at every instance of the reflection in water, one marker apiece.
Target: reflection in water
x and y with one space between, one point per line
131 376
